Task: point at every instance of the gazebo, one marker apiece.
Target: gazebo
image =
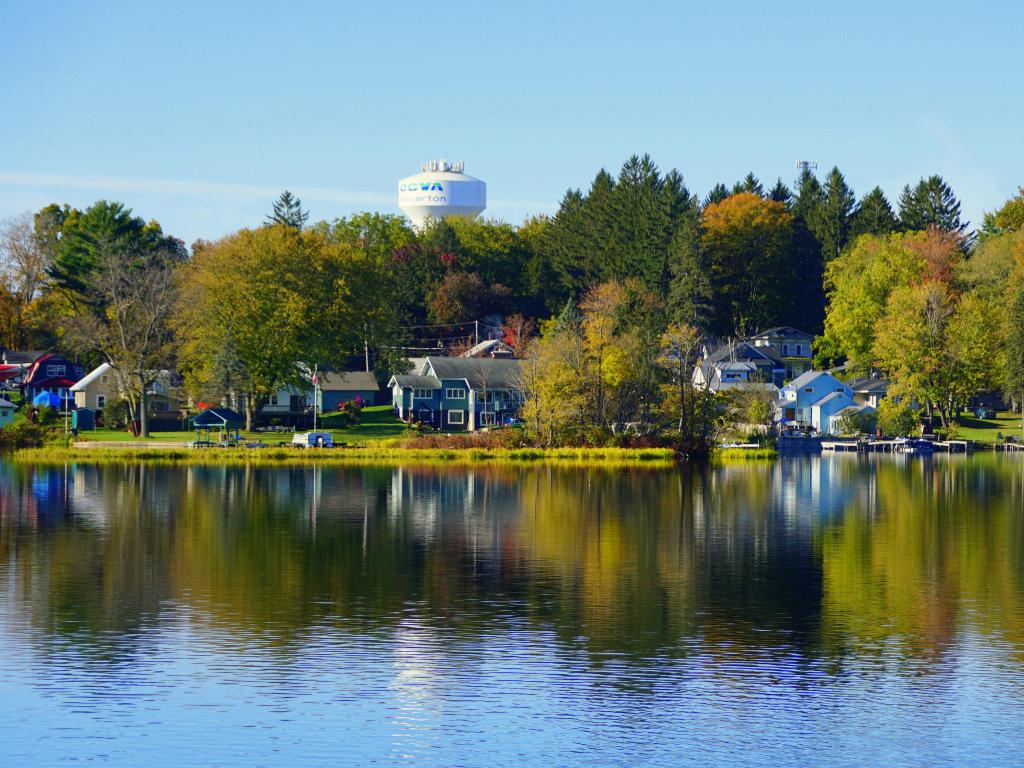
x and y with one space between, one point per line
221 419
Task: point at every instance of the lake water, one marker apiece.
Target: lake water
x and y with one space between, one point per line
825 611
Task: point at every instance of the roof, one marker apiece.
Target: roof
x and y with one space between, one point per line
6 403
829 398
856 409
53 381
869 385
807 377
415 381
335 381
479 372
739 350
488 347
783 332
24 356
218 417
90 377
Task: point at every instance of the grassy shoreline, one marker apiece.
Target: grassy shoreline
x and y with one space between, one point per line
379 455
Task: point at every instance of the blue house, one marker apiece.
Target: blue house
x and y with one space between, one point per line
811 399
459 394
6 412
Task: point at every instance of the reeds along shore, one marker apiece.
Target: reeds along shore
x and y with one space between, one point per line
584 457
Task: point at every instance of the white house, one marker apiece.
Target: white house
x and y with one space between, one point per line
812 399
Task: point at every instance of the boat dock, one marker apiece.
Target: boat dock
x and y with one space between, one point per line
896 446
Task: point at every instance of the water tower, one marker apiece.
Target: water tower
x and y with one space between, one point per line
441 189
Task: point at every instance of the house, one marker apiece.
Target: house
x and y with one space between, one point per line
20 357
738 363
793 346
6 412
811 400
495 348
101 386
342 387
835 419
51 373
869 390
291 402
458 393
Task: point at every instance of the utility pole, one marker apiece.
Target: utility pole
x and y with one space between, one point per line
476 332
366 350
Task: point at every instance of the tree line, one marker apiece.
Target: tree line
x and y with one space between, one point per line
629 276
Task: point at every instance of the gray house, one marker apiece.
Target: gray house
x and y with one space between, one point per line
459 393
791 345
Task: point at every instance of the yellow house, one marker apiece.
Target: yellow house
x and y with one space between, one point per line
100 386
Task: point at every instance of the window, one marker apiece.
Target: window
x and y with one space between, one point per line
421 394
487 419
839 389
799 350
455 394
101 400
785 350
808 389
456 417
160 406
273 400
55 370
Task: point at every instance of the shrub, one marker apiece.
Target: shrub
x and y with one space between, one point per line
896 419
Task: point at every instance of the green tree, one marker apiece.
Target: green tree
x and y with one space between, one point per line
690 293
829 219
750 183
930 203
781 193
717 194
288 212
874 215
1009 217
79 238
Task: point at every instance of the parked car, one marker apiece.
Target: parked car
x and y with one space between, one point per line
982 412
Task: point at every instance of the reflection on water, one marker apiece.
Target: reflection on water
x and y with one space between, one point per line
829 611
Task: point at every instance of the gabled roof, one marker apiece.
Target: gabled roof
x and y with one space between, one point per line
807 377
478 372
346 381
783 332
414 381
91 376
739 350
869 385
829 398
218 417
6 403
488 347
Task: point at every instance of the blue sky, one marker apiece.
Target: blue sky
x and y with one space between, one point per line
198 113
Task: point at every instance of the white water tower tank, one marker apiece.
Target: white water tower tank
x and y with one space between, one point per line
441 189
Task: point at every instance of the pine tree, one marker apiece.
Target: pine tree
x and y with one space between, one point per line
781 193
830 218
288 211
1013 348
931 203
717 194
750 183
874 215
690 291
807 294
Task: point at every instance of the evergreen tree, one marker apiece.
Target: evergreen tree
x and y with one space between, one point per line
749 183
1012 368
830 217
931 203
690 291
874 215
781 193
807 293
717 194
288 211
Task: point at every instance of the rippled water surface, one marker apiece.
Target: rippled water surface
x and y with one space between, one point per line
833 611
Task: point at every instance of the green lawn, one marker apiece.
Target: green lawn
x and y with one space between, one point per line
987 431
378 422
